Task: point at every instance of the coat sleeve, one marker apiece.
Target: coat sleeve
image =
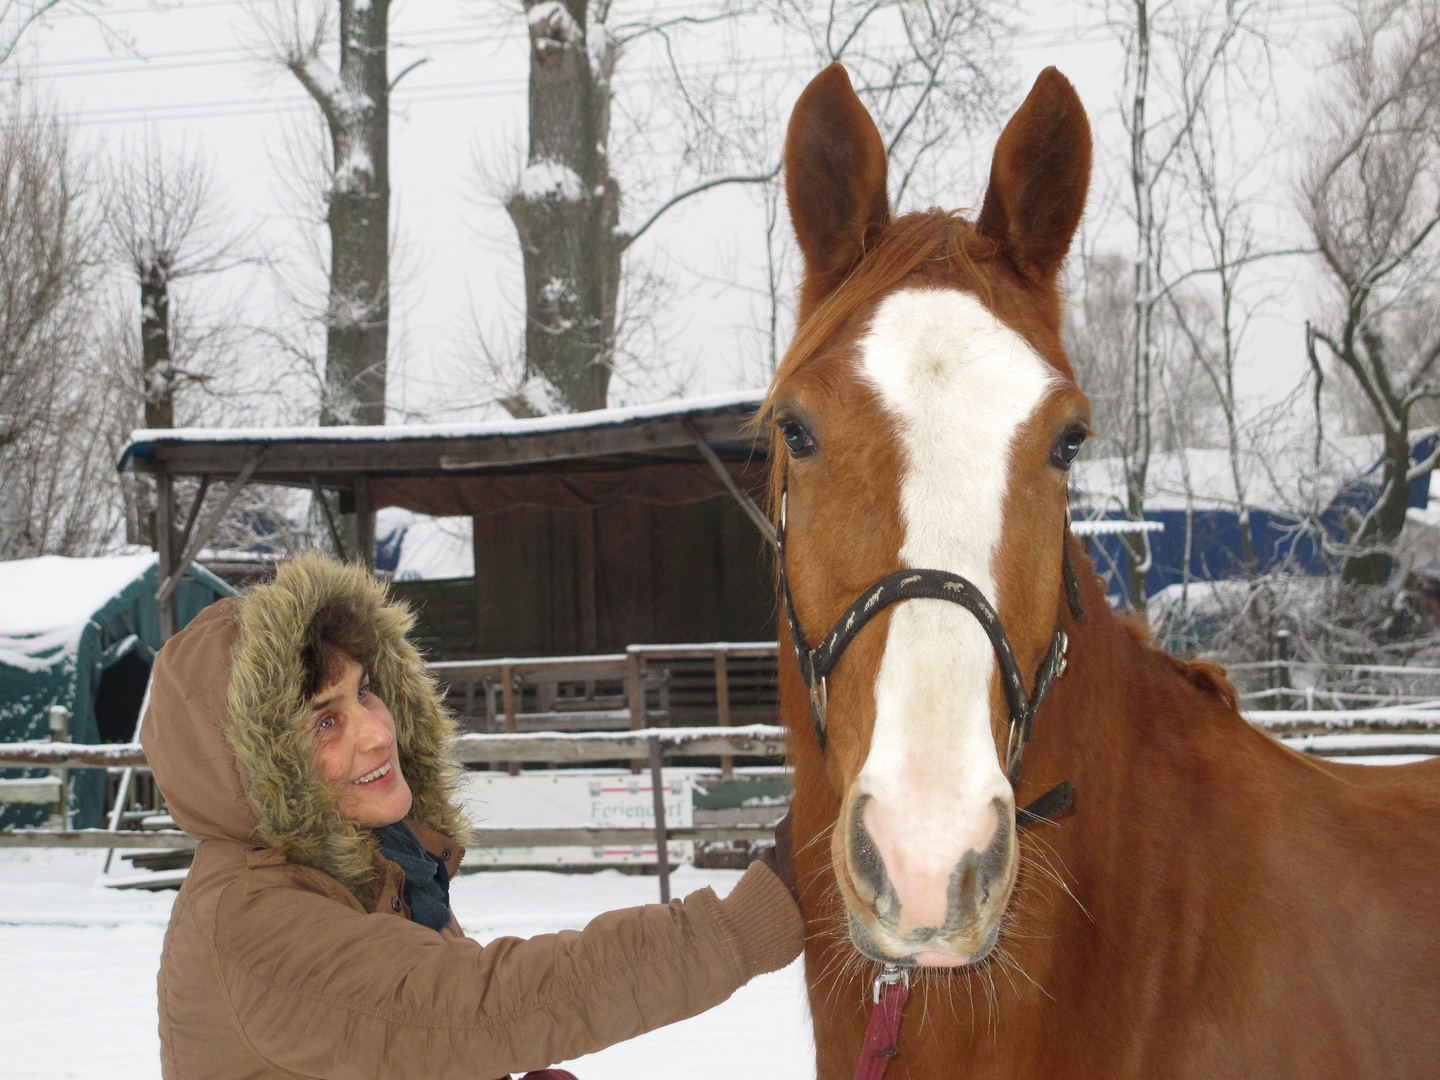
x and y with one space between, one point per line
320 989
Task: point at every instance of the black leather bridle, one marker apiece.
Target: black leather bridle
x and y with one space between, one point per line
816 664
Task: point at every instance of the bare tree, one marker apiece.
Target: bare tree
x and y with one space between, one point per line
165 224
17 17
1172 58
927 68
929 71
353 95
1370 195
53 488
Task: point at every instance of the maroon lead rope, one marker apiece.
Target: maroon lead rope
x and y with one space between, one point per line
882 1037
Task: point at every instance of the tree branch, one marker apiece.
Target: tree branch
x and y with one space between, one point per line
626 240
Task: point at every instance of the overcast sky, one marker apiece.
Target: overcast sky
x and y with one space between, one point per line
188 72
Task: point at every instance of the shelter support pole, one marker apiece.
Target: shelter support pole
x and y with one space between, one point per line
722 708
171 581
635 693
60 733
330 523
164 539
662 841
507 691
364 522
758 516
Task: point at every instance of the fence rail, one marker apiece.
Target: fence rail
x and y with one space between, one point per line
752 740
494 837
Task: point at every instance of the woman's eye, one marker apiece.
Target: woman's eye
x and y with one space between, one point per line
325 724
797 439
1066 447
363 693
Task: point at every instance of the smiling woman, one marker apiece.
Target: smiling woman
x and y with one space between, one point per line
355 747
297 735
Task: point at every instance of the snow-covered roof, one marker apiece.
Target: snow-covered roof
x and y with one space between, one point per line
45 603
1279 480
734 399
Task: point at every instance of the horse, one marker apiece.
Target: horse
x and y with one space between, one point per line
1206 902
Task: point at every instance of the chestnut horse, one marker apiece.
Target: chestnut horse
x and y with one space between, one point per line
1212 904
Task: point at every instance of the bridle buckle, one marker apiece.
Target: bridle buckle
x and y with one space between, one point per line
819 701
890 977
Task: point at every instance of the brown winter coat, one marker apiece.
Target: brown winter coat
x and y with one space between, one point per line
290 951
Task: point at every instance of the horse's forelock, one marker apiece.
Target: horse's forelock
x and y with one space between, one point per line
903 246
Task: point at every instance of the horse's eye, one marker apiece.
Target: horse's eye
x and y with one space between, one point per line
797 439
1066 447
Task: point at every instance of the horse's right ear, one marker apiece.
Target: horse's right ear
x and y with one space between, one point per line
834 180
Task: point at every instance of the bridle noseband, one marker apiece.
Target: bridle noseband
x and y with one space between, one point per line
816 664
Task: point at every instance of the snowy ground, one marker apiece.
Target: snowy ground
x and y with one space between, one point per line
78 963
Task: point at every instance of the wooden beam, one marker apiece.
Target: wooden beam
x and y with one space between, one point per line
95 838
756 515
297 458
172 582
329 518
164 547
753 740
494 837
364 522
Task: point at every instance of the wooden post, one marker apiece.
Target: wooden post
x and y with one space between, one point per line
722 708
507 691
364 522
662 840
164 546
1282 667
635 693
60 732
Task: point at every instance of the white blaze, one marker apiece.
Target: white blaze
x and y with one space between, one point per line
959 384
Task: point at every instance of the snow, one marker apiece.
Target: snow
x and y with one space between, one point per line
551 179
746 399
48 601
429 548
1272 479
78 995
553 20
357 163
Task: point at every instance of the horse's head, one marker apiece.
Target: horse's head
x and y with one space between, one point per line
925 417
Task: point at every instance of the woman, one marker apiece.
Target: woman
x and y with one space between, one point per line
296 734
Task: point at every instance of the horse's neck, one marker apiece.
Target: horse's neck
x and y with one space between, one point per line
1135 731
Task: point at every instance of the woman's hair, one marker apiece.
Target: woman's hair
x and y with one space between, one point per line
340 631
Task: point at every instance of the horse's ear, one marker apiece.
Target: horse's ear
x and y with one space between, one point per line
1039 177
834 178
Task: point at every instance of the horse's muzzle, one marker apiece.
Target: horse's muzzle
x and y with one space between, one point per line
975 896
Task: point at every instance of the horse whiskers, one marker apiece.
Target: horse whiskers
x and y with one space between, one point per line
1038 857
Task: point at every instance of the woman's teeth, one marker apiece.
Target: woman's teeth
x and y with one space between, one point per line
376 775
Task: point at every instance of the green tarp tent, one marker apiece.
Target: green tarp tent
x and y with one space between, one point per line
82 633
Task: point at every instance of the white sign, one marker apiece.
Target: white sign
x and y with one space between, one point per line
608 798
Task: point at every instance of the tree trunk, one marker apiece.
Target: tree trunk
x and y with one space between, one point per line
1137 461
157 366
566 208
1381 527
356 105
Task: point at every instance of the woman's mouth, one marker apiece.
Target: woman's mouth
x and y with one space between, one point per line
379 774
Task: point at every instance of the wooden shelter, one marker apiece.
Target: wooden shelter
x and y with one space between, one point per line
592 531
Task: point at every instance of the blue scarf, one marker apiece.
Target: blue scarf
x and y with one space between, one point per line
427 883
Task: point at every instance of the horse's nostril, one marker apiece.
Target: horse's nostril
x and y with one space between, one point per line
868 866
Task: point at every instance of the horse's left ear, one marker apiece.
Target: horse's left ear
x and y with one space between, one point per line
1039 177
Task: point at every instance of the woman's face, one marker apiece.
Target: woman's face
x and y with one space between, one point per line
355 740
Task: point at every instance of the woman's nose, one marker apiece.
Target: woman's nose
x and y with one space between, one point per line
374 734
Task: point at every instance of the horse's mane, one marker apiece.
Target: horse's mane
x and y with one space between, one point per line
1207 676
888 253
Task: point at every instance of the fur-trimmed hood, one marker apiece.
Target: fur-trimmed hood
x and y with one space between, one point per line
226 733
